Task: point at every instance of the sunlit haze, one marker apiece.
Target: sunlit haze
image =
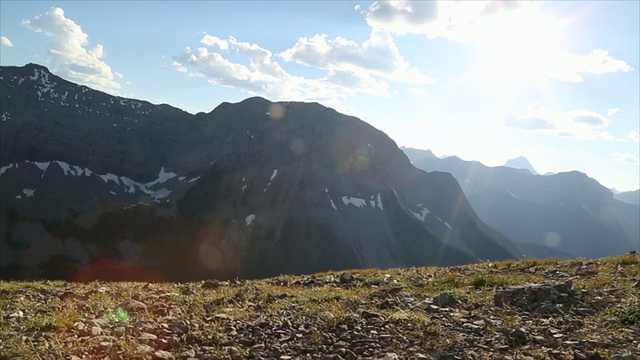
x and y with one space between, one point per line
555 82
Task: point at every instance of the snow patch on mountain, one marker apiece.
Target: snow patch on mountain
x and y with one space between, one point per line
422 215
44 85
110 177
162 177
42 165
333 205
249 219
5 168
355 201
130 184
69 170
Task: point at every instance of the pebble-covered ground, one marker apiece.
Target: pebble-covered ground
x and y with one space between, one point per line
531 309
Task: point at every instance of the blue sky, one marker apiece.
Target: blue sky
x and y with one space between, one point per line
556 82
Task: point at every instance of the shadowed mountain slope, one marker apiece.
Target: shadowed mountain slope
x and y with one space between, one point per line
251 189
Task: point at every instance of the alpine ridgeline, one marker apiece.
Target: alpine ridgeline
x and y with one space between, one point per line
563 215
96 186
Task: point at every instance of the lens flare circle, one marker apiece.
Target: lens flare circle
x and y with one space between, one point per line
276 111
210 256
552 239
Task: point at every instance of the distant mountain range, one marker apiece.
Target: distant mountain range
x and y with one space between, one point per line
630 197
559 215
94 185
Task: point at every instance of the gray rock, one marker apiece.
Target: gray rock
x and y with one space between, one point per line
347 278
444 300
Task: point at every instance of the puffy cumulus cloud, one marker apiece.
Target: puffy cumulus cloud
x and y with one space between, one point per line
613 111
5 41
625 158
576 124
571 68
378 55
255 70
403 17
68 55
460 21
259 73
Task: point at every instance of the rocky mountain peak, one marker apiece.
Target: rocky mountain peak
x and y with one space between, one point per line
521 162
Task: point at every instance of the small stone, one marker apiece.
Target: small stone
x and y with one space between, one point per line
95 331
549 309
190 353
479 323
211 284
519 336
180 327
147 336
347 278
388 356
594 356
119 331
144 348
17 314
444 300
133 305
624 357
165 355
187 291
471 326
369 315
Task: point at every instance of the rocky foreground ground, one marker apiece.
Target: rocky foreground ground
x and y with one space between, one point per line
532 309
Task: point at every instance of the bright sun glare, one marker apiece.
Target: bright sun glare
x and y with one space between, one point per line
519 48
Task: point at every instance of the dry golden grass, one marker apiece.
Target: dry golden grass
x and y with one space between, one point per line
55 319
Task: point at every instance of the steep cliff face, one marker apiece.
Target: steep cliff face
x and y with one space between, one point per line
251 189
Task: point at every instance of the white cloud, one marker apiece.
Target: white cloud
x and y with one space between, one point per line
257 71
378 56
633 136
570 67
5 41
613 111
403 17
576 124
625 158
68 54
517 42
215 41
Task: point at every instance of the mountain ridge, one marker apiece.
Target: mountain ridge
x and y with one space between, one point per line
251 189
567 211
